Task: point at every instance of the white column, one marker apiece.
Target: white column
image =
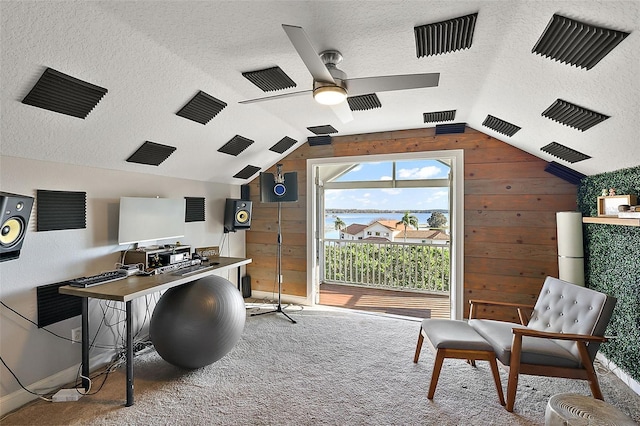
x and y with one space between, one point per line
570 247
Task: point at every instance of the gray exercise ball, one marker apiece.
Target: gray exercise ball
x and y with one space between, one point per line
196 324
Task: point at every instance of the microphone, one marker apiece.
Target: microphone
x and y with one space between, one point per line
279 178
279 188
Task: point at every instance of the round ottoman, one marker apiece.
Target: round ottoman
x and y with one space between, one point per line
580 410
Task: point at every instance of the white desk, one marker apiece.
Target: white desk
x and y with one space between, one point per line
129 289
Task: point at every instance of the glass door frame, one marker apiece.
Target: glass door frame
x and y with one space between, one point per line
315 219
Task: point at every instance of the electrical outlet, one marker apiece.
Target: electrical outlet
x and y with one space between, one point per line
76 335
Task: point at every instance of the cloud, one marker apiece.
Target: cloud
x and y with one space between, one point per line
419 173
356 168
334 194
385 178
438 195
363 200
392 191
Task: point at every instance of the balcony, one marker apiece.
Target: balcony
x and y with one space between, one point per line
388 265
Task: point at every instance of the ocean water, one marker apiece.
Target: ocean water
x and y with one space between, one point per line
366 218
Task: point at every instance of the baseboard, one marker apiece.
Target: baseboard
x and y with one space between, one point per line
284 298
17 399
628 380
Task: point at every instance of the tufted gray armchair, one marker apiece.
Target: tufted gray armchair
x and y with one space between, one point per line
560 340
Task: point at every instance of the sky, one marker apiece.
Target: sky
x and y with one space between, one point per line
392 198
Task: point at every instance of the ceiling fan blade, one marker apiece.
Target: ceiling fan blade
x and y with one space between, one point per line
274 97
308 54
366 85
342 111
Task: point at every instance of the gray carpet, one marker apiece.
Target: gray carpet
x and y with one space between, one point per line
334 367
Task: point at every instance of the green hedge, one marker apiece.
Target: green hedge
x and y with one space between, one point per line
612 258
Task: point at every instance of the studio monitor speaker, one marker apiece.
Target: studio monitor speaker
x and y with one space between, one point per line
15 212
237 215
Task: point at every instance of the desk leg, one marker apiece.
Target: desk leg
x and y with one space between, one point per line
240 279
85 343
129 354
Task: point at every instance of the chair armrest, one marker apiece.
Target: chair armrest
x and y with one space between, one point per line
580 340
524 319
558 336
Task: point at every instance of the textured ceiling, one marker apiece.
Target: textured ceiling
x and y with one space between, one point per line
153 57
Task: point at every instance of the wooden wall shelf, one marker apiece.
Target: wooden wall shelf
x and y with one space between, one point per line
612 221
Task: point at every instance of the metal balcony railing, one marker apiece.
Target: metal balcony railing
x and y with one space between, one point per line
397 265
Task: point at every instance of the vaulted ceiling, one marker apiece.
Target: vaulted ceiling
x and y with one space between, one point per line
154 57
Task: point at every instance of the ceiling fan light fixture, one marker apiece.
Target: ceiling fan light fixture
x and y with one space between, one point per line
329 95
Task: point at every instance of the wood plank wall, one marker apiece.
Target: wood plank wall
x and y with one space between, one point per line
509 215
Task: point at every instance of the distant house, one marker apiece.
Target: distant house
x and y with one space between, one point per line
380 229
425 236
389 230
352 232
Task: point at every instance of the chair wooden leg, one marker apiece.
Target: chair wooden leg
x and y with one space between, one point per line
437 366
418 346
496 379
591 372
514 371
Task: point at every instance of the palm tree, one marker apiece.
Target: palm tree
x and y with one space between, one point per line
339 224
408 220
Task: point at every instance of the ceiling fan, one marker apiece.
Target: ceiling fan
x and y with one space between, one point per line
331 85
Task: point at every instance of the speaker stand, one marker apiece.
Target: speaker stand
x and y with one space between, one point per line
278 309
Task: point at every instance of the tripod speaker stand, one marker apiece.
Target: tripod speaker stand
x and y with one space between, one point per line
279 274
277 189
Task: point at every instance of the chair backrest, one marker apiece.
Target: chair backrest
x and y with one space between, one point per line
563 307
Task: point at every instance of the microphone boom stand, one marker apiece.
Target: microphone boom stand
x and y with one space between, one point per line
279 270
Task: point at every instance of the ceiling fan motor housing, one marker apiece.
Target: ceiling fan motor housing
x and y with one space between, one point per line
331 58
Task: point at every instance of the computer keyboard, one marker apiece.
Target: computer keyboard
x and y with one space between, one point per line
192 269
102 278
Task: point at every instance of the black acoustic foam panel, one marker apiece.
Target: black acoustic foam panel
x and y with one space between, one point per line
319 140
446 36
194 209
53 306
573 115
445 129
439 116
564 152
245 192
283 144
151 153
62 93
322 130
364 102
575 43
500 126
236 145
564 172
201 108
57 210
247 172
270 79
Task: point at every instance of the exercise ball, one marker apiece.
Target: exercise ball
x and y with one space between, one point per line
196 324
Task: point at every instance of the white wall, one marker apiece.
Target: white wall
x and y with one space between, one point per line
49 257
376 227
